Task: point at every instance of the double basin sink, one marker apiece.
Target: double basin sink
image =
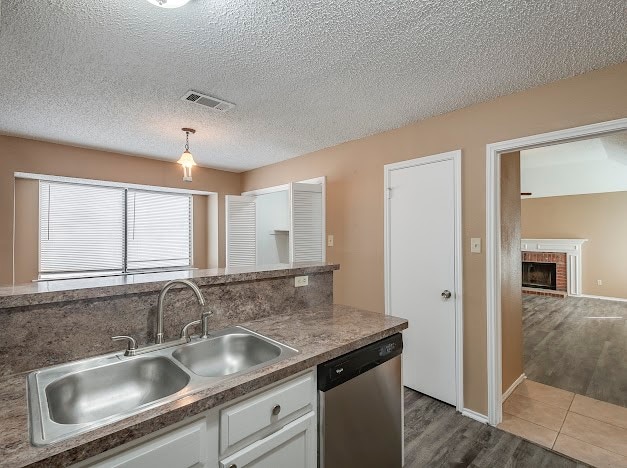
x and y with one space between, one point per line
74 398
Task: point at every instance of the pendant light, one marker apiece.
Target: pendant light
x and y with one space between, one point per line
187 160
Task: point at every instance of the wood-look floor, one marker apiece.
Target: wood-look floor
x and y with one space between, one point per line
577 344
437 436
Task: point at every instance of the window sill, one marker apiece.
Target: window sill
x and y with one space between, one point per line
74 276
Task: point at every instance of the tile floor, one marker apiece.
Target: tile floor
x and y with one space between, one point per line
592 431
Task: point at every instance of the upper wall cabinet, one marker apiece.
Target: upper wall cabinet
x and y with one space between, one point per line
282 224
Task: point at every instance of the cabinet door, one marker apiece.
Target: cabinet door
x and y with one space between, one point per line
186 447
308 224
294 446
241 231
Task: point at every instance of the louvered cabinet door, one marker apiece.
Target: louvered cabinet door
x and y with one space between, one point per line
241 228
307 219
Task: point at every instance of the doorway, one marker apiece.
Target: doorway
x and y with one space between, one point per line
423 270
494 237
559 227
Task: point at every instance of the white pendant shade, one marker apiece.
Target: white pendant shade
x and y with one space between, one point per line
169 3
186 159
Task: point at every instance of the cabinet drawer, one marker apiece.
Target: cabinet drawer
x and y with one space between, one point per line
293 446
186 447
274 406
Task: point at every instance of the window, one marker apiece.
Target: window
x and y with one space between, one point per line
92 230
158 230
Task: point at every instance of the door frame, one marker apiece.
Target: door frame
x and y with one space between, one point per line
493 241
456 157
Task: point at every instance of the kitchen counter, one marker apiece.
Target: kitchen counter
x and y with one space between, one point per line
320 334
52 291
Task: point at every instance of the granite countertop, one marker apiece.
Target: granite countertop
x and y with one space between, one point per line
44 292
320 334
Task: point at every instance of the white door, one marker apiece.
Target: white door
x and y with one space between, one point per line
241 231
421 269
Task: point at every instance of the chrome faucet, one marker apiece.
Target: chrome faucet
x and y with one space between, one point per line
162 294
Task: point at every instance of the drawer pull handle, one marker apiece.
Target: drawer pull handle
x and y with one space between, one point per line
276 410
233 466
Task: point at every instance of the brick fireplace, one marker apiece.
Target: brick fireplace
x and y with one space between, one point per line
546 272
552 267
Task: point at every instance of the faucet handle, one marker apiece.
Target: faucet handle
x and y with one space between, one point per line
205 324
131 347
185 330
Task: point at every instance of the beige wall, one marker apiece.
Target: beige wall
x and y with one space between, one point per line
26 230
355 188
22 155
511 274
601 218
200 233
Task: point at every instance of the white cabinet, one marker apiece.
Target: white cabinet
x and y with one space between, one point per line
273 427
255 417
282 224
307 223
185 447
273 227
293 446
241 233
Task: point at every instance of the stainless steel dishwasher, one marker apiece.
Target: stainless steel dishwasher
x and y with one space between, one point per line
360 413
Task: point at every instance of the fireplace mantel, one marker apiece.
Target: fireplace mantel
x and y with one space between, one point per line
573 249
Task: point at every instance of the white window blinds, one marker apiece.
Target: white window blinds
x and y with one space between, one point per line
158 230
81 228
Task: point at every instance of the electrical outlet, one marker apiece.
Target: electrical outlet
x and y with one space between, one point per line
600 282
301 281
330 240
475 245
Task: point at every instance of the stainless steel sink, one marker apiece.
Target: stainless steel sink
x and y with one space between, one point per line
227 354
90 395
74 398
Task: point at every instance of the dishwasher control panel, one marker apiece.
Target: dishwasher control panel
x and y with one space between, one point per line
344 368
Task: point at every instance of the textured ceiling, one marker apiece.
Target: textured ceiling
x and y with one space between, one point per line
304 74
611 147
593 165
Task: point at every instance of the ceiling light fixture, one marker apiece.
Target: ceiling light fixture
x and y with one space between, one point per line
169 3
187 160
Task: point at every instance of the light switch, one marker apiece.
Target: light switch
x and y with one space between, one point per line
301 281
475 245
330 240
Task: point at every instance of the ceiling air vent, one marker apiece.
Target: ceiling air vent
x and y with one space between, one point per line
207 101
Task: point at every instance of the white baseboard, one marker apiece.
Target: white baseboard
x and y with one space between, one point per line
474 415
604 298
513 386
